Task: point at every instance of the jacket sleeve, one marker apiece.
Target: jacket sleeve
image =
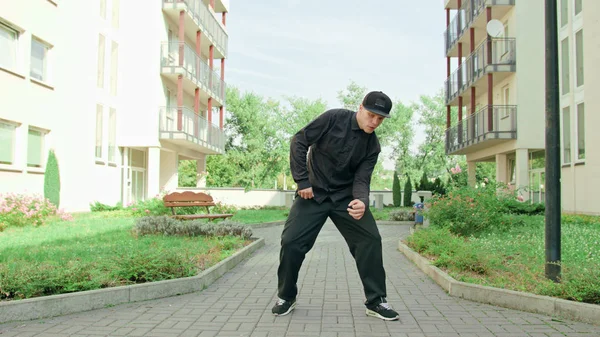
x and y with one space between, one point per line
362 178
300 143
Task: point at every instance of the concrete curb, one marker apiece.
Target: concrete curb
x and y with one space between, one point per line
580 312
63 304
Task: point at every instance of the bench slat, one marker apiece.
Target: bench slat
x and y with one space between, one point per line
202 216
187 203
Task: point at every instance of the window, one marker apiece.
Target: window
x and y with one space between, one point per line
564 12
564 49
8 47
103 9
101 47
35 148
99 109
566 133
580 132
579 57
7 143
115 14
39 60
112 135
577 7
114 59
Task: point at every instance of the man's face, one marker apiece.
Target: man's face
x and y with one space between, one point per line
367 120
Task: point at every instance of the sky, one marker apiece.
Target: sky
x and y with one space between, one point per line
314 48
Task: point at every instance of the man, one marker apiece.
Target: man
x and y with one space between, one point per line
334 182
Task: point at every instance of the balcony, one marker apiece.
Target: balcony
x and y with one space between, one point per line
489 126
183 127
199 16
492 56
471 14
180 59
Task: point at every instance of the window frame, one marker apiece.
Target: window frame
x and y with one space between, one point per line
13 151
45 62
577 130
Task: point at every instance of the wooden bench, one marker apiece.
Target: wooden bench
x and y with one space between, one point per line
189 199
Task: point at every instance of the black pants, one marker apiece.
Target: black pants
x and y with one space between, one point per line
300 233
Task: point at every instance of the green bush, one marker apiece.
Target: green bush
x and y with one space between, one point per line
470 211
97 206
514 206
402 215
52 180
408 193
169 226
396 193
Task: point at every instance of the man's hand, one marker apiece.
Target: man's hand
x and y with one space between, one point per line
306 193
356 209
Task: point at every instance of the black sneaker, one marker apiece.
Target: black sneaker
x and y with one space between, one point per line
283 307
382 310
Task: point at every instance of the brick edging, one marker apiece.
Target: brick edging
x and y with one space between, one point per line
556 307
63 304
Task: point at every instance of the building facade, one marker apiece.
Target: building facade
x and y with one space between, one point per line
120 90
497 85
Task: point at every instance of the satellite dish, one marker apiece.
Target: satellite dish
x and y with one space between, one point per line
495 28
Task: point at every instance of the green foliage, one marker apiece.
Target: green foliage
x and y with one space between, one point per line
396 193
514 206
438 187
165 225
97 206
352 96
408 193
406 214
514 258
98 251
424 184
187 173
52 180
470 211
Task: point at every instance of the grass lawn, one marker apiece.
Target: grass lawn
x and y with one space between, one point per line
99 250
516 259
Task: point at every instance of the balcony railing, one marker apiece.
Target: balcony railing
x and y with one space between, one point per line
184 123
493 55
175 54
206 21
491 122
464 18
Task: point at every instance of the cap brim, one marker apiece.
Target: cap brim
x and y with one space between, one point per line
378 112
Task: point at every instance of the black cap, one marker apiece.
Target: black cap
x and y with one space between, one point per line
378 103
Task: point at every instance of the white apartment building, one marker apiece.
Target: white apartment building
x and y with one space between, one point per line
497 85
121 90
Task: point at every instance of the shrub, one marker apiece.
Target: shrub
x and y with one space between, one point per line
470 211
100 207
169 226
396 193
407 193
52 180
402 215
20 210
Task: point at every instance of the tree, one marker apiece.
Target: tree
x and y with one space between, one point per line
254 152
351 97
52 180
407 192
187 173
396 193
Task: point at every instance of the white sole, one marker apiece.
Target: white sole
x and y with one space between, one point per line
288 311
375 314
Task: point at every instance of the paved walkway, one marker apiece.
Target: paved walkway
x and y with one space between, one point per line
330 304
